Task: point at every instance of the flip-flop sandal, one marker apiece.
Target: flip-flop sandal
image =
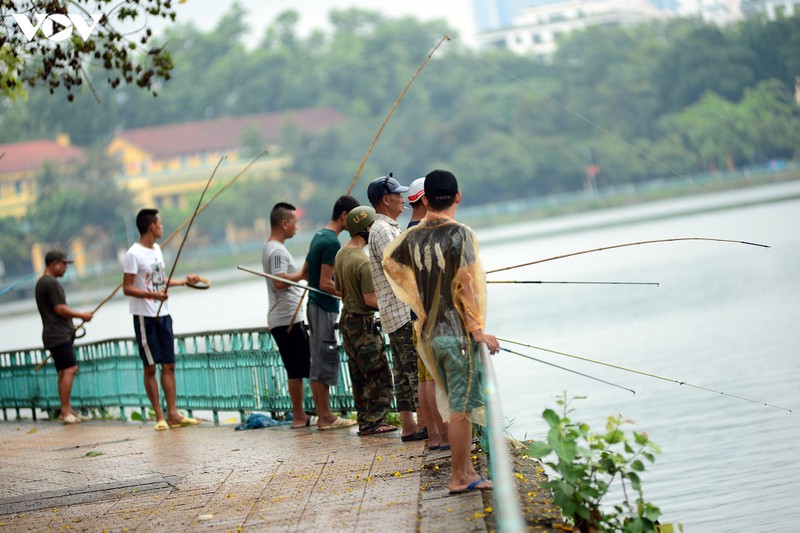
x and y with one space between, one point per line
185 422
310 421
201 283
378 429
475 485
161 425
338 423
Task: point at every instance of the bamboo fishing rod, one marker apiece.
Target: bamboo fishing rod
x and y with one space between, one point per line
640 372
575 282
372 145
185 235
286 281
568 370
623 246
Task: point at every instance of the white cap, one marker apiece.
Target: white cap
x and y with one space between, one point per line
416 190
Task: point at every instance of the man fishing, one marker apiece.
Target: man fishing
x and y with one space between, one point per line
58 332
434 267
145 283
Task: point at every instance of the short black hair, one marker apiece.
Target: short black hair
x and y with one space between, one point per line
344 204
144 218
280 212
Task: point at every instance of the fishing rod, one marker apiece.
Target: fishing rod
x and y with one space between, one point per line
286 281
648 374
568 370
577 282
185 235
623 246
372 145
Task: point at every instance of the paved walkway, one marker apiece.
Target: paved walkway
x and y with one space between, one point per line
111 476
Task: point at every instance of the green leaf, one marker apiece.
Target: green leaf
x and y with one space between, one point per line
93 453
539 449
638 466
551 417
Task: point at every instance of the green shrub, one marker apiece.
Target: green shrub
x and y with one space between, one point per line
586 465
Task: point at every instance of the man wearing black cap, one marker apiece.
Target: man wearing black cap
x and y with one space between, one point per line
58 332
385 195
435 268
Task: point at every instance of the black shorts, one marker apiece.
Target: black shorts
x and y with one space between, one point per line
156 345
293 347
64 355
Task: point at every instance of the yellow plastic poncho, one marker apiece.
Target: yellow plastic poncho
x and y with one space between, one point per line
434 267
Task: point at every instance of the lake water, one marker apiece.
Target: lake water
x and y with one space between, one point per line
725 317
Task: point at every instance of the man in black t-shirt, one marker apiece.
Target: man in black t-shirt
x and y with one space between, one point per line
58 332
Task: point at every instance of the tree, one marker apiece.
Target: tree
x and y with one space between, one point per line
48 43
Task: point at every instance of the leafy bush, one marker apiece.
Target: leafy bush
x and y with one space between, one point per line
586 464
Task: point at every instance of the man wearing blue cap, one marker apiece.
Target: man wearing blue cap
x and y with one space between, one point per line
385 195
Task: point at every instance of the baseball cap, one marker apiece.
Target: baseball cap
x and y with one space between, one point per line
382 186
56 255
440 184
416 190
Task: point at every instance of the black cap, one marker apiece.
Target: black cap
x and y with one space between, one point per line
56 255
440 184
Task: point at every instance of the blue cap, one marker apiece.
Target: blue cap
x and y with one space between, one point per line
382 186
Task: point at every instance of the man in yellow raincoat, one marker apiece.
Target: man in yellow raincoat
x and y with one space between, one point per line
434 267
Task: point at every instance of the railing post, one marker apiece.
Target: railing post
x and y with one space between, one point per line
509 517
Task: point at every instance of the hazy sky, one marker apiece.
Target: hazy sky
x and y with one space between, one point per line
314 13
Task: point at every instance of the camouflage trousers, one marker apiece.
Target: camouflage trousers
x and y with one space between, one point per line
406 370
370 374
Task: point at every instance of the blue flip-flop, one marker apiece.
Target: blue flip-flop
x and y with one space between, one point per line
472 486
442 447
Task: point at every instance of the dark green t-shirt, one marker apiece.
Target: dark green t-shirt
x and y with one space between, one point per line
354 280
56 329
322 251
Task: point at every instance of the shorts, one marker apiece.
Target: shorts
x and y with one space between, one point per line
405 367
461 371
156 346
64 355
293 347
323 346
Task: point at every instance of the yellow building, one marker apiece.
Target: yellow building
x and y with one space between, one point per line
164 165
20 166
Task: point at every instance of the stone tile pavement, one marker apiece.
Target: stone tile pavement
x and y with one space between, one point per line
111 476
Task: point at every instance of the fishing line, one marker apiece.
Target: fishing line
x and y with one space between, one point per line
594 124
568 370
287 282
576 282
648 374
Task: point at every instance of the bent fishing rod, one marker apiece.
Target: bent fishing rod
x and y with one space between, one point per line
372 145
287 282
603 248
641 372
185 235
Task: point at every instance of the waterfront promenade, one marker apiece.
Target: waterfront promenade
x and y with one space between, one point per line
113 476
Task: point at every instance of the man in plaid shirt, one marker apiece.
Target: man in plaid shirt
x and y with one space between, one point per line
384 194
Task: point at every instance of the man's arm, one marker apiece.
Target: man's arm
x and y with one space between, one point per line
371 299
128 289
326 280
294 276
67 312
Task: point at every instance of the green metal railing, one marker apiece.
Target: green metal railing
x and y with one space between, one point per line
232 370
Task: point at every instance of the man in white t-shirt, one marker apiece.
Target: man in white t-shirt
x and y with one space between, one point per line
284 299
145 282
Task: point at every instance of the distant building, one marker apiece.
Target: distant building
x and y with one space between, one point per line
718 12
22 163
162 165
535 30
772 9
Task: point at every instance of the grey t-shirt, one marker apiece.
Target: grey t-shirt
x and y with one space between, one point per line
275 260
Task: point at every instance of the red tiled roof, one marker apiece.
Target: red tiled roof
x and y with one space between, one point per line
225 133
32 155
